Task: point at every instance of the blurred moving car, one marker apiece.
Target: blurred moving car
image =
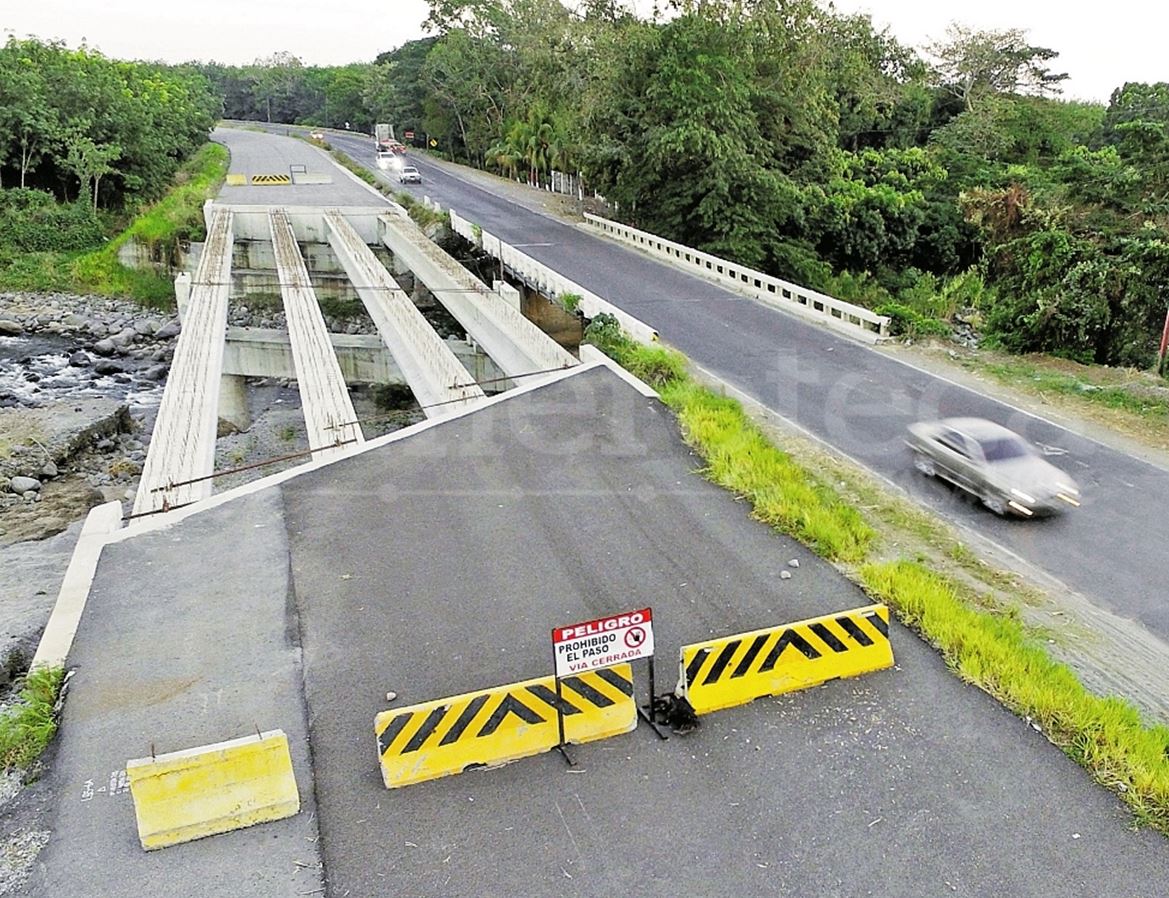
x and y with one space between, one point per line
317 135
1005 472
409 175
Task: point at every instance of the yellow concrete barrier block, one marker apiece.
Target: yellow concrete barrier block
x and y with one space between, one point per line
734 670
235 179
199 792
271 179
494 726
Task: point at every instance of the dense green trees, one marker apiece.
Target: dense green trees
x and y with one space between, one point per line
85 127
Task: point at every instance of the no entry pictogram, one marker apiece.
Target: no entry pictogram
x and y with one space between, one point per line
634 637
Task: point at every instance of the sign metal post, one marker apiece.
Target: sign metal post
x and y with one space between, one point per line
559 708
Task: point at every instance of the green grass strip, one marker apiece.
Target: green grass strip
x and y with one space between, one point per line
30 722
740 458
1115 397
1104 735
178 216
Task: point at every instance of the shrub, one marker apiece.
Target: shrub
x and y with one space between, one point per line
908 322
33 221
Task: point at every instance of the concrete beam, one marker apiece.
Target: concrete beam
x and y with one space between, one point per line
441 385
364 359
329 418
182 448
513 342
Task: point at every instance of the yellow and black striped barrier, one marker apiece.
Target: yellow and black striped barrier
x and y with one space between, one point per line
734 670
271 179
494 726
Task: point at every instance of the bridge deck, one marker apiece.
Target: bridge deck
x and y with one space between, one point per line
328 411
182 447
440 383
513 342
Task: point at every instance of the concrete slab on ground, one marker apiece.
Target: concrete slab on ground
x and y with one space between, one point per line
318 180
188 639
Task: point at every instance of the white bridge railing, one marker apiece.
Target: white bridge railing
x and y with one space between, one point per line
549 282
772 290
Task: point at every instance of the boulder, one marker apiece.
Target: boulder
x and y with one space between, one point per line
145 327
104 347
22 485
108 366
49 471
10 328
169 330
80 359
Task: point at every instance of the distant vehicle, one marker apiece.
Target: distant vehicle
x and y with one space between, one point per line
387 159
317 135
996 465
409 175
382 134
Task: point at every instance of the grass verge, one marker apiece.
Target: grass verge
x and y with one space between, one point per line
30 722
982 639
1132 401
738 455
1104 735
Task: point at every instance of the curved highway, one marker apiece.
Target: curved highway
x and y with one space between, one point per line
854 398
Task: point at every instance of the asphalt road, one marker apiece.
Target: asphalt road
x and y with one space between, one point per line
438 565
856 399
258 153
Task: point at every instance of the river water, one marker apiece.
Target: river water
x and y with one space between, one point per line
35 370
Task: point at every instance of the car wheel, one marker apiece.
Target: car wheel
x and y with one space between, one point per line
924 464
995 504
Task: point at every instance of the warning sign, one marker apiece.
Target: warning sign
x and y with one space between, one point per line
604 642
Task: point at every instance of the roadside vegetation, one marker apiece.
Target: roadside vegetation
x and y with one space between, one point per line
1128 400
946 186
52 252
954 601
29 722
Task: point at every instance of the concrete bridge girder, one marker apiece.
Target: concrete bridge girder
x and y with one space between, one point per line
515 344
182 447
330 419
440 383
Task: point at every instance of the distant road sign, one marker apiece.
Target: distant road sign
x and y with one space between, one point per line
409 135
603 642
433 142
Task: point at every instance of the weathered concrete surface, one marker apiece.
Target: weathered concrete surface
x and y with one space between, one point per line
188 639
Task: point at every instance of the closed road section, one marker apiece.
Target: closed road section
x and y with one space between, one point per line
441 563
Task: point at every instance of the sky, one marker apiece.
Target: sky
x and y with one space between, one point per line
1100 50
